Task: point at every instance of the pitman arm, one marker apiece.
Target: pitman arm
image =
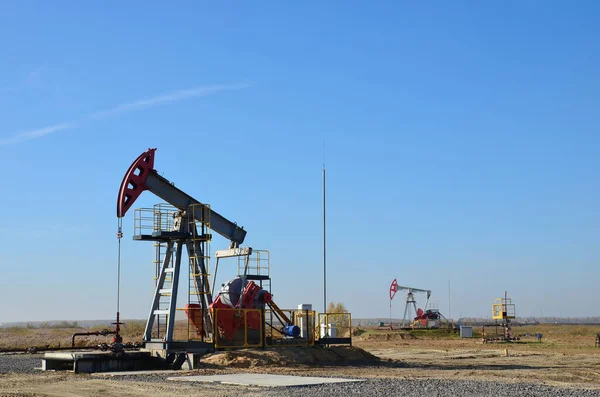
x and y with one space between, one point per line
141 176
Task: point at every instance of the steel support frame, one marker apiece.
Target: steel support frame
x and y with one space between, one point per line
201 281
159 287
198 268
409 299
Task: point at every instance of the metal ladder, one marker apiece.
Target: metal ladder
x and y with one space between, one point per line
163 305
160 253
199 284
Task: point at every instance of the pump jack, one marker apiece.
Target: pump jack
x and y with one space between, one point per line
190 230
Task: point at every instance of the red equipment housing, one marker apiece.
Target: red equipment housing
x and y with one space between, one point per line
424 316
193 311
229 321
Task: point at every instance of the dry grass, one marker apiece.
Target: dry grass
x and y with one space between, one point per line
562 338
131 329
41 337
14 338
558 338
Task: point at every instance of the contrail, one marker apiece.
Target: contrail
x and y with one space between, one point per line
139 104
167 98
27 135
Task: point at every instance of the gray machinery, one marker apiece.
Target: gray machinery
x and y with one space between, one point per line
190 224
410 300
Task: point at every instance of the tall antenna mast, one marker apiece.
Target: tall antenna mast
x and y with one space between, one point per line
324 240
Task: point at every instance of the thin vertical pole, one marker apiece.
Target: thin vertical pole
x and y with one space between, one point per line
324 249
117 338
324 239
449 306
119 236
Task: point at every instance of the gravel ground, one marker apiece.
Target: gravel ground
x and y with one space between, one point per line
430 388
387 386
20 363
25 364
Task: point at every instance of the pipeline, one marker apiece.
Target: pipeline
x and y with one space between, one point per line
103 332
37 349
48 348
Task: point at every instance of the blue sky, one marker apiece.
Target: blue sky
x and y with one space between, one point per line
461 145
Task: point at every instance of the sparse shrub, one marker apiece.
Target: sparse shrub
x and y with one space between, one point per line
133 329
57 325
358 331
339 319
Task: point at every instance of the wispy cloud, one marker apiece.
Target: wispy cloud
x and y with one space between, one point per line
139 104
27 135
163 99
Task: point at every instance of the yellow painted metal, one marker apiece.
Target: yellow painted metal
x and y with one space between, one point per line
200 231
309 316
279 311
342 321
191 335
503 309
239 313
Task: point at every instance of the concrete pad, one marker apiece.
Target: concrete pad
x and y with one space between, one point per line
266 380
89 354
98 361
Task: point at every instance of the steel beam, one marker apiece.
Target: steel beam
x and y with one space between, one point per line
229 253
164 189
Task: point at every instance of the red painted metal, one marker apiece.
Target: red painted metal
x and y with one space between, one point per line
133 182
393 289
423 316
193 311
229 322
117 338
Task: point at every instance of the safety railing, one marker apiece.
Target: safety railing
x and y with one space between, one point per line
194 327
275 323
503 308
164 217
275 328
143 221
334 328
257 264
305 320
234 328
238 328
150 220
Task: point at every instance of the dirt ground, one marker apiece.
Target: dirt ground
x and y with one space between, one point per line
566 357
